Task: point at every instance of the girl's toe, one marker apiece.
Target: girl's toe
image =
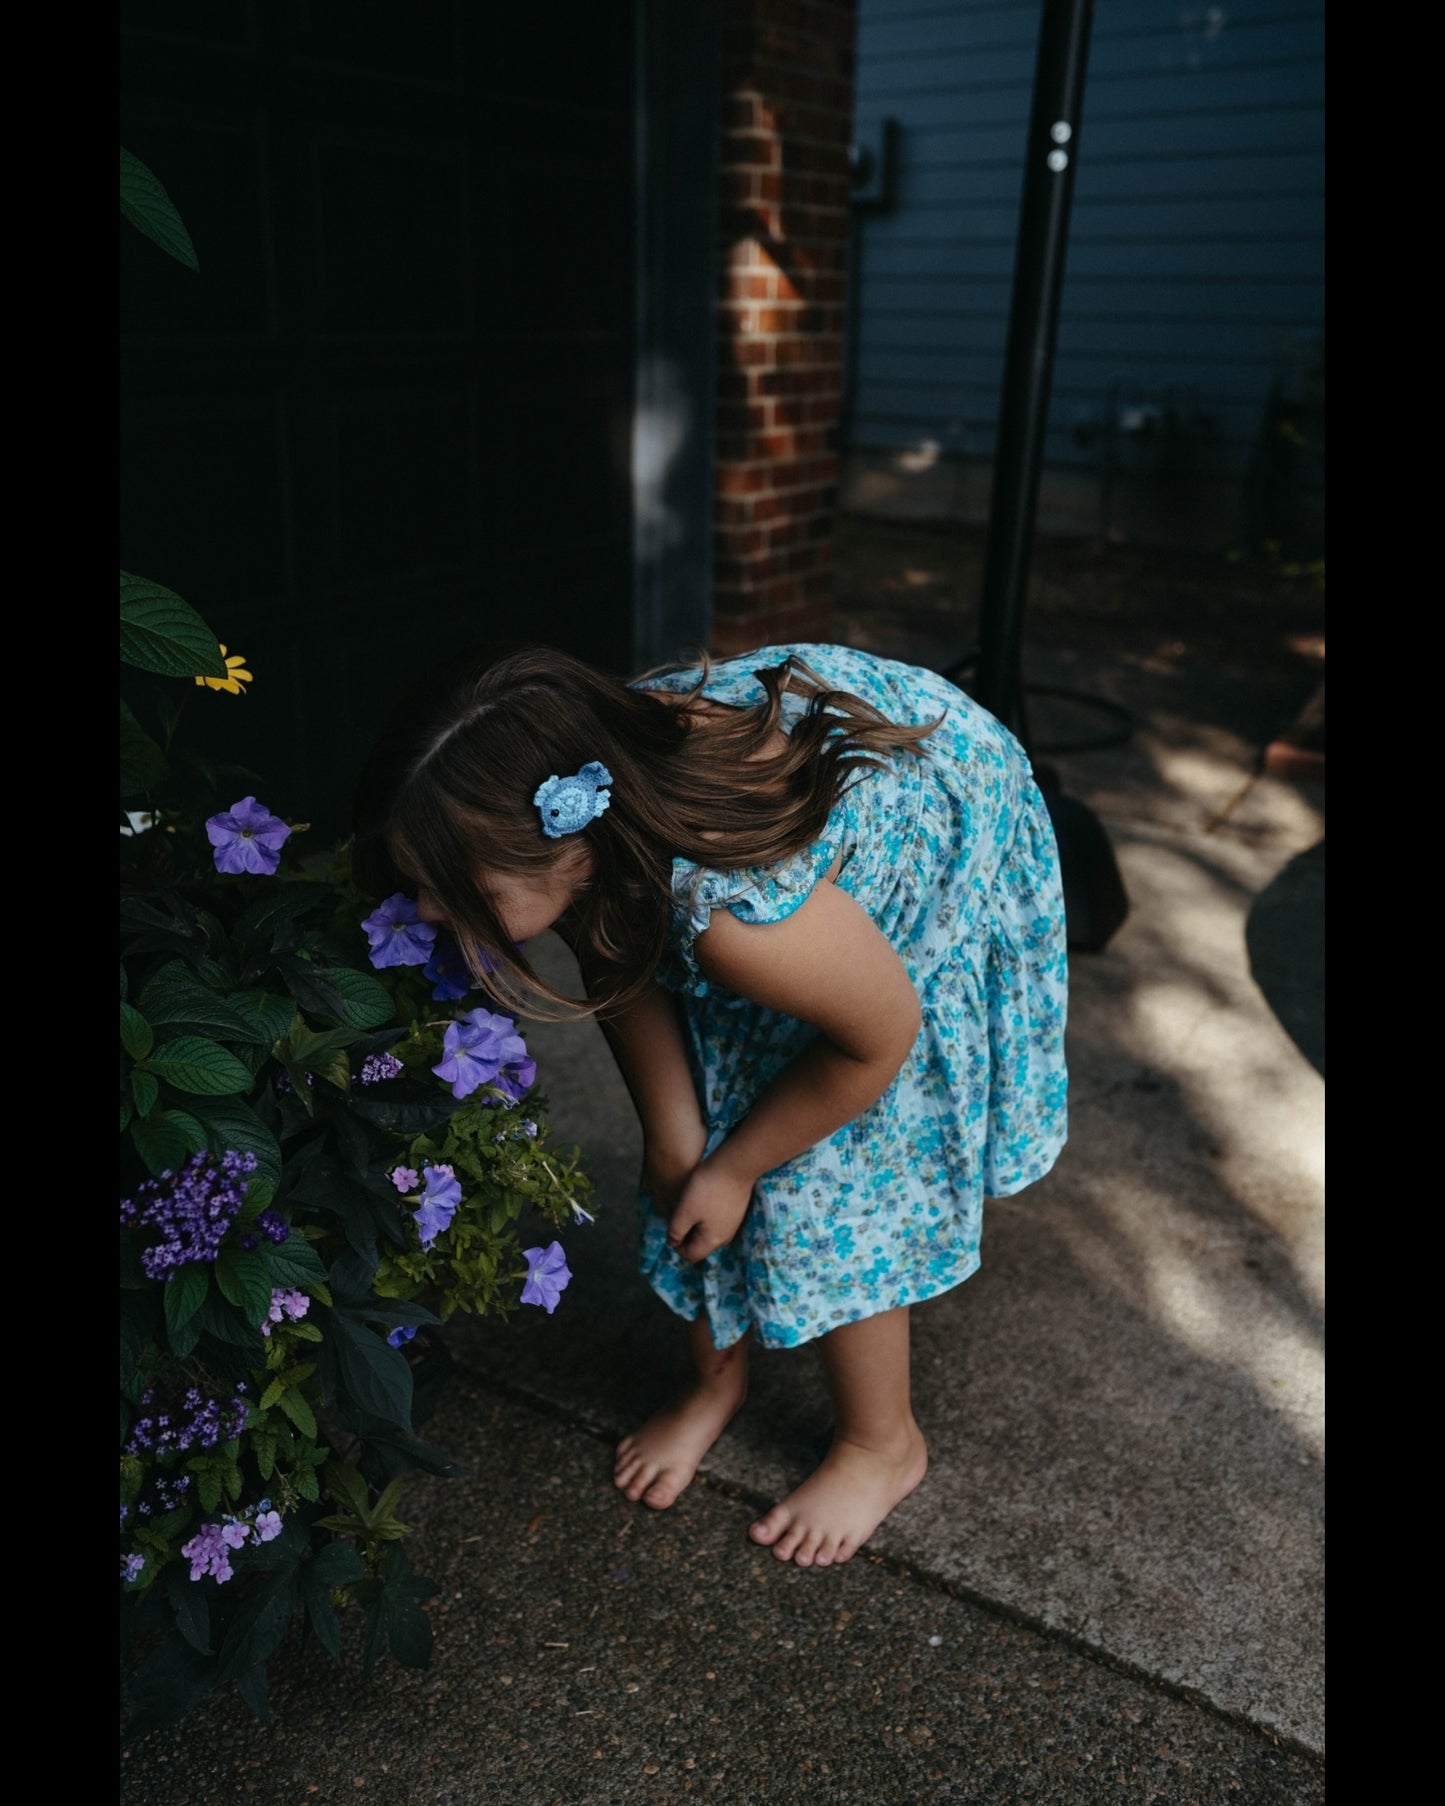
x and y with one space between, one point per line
768 1529
827 1549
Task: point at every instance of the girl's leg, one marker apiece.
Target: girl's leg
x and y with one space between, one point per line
878 1455
657 1461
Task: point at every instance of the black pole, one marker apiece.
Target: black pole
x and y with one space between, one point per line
1095 902
1028 363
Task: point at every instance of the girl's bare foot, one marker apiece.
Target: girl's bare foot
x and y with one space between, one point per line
834 1512
657 1461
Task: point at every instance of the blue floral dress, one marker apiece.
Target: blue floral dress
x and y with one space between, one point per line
953 857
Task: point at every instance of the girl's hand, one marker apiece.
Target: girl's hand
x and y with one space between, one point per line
709 1212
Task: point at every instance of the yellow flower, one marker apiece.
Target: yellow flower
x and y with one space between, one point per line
236 675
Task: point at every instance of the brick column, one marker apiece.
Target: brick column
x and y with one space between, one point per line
784 217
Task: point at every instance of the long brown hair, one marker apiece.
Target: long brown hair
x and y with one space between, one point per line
448 798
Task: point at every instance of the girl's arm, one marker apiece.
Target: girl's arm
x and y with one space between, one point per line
827 964
647 1042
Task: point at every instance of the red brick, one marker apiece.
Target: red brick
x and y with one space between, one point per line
743 479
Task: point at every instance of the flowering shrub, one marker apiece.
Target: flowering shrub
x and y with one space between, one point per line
328 1139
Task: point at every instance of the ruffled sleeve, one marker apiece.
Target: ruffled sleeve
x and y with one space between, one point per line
768 893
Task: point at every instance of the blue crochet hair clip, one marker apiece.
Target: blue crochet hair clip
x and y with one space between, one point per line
568 804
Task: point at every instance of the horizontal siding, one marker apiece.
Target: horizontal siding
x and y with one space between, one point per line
890 33
1143 57
1154 94
1195 263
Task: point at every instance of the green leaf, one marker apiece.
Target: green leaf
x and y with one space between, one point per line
311 986
193 1064
408 1629
335 1565
161 633
142 763
268 1015
244 1282
167 1685
252 1688
145 203
293 1263
280 902
226 1324
185 1293
263 1447
260 1625
191 1607
300 1413
145 1089
174 998
166 1139
208 1486
366 1002
375 1375
231 1123
348 1487
135 1032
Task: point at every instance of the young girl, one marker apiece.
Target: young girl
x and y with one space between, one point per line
815 900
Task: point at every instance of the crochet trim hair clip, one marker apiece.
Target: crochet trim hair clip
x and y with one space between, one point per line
568 804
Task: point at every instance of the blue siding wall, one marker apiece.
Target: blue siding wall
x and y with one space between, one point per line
1195 266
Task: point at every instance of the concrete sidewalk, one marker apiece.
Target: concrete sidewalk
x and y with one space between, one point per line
1110 1586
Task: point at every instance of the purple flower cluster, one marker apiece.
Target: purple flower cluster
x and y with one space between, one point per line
287 1303
198 1422
167 1491
485 1049
209 1550
272 1225
376 1069
192 1210
131 1568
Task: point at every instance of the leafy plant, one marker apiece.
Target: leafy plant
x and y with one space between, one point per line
328 1141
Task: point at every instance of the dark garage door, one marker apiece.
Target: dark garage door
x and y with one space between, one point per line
391 414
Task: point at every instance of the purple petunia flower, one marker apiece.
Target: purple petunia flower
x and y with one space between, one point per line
247 838
482 1049
404 1332
448 971
439 1203
547 1276
398 935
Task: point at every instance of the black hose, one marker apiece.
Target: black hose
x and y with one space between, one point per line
1124 723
